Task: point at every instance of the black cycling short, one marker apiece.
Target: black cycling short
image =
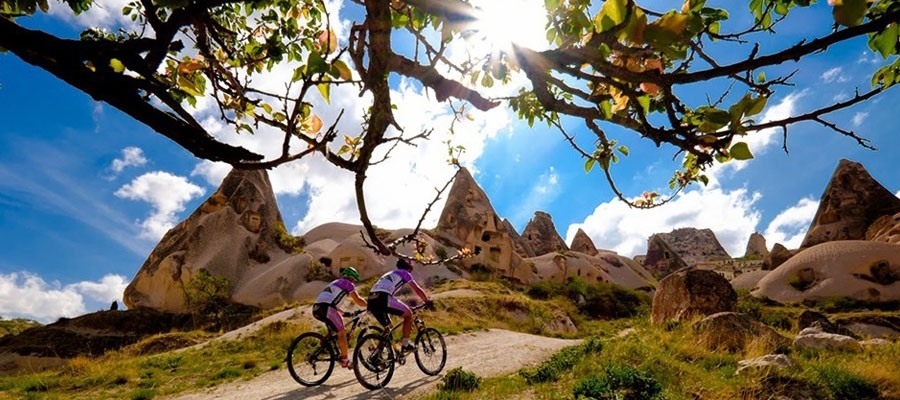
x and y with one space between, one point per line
320 312
378 306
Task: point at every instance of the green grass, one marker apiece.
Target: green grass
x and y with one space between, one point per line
652 362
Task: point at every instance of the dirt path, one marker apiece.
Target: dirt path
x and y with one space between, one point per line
485 353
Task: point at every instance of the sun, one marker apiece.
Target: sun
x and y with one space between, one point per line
501 23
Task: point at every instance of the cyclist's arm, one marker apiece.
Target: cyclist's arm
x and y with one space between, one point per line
418 289
358 300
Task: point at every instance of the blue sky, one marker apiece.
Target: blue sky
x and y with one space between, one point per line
86 192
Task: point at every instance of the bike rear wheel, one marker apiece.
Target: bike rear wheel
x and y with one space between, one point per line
310 359
431 351
373 361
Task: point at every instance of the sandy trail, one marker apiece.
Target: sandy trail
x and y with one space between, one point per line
486 353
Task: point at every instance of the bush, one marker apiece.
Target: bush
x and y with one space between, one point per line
544 290
607 300
459 380
845 385
563 361
620 382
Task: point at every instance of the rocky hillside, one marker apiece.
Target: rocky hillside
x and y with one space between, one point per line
238 234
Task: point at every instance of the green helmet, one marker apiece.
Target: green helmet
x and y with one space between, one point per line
350 272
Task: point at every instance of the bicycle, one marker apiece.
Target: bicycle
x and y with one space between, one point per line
374 357
311 356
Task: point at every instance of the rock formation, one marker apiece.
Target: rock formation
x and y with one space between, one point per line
661 259
885 229
684 247
541 235
521 247
860 270
852 201
691 292
733 332
756 246
582 243
469 220
234 229
776 257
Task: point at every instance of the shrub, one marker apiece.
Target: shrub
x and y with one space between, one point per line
208 296
544 290
845 385
620 382
563 361
607 300
286 241
457 379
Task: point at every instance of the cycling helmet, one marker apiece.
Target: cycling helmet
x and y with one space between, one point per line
403 264
350 272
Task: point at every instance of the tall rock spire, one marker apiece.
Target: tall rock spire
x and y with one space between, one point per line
851 202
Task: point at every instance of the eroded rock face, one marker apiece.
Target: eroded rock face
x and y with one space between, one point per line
541 235
232 230
469 220
684 247
520 246
776 257
733 331
852 201
689 292
860 270
583 243
885 229
756 246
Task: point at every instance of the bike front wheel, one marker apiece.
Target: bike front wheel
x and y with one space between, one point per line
310 359
373 361
431 351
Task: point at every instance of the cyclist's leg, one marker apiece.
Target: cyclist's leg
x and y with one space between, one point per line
397 307
336 321
378 306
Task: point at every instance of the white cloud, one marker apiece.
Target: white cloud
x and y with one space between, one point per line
131 157
103 13
166 193
833 74
790 226
731 215
25 295
859 118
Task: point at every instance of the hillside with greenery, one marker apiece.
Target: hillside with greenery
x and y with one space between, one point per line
622 355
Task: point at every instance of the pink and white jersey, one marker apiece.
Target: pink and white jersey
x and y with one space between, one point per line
335 292
392 281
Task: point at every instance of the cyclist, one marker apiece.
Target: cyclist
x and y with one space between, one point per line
382 301
326 309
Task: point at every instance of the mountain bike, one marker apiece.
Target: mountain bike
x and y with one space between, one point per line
374 357
312 355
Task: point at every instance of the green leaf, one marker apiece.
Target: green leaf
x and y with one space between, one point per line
644 101
343 70
885 42
850 13
611 14
116 65
740 151
623 149
589 164
325 91
761 77
757 105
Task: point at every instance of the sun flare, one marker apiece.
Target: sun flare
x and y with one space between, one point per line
500 23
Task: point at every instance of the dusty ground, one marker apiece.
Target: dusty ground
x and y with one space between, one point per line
485 353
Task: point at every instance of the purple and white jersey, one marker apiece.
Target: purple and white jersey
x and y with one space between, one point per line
392 281
335 292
